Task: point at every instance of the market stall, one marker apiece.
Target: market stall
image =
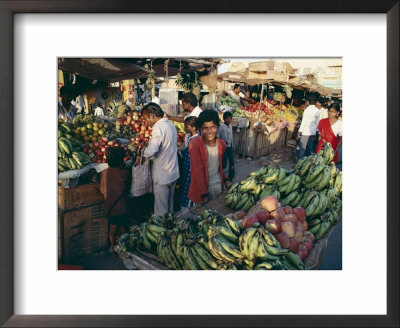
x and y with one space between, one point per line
273 119
82 143
275 218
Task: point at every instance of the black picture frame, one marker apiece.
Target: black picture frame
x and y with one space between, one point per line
7 10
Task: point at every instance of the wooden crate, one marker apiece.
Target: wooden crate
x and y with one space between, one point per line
261 66
79 196
83 231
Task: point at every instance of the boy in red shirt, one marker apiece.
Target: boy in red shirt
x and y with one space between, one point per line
114 185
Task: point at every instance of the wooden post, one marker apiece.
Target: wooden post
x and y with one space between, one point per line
259 107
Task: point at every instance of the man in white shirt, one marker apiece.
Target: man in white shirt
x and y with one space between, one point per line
98 111
79 104
162 150
323 111
308 128
238 95
189 104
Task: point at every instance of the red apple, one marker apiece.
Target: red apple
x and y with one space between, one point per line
105 139
104 160
308 243
262 216
299 234
304 225
287 209
249 221
103 149
302 252
278 214
291 218
274 226
270 203
300 213
239 215
294 244
283 239
137 125
309 235
110 143
289 228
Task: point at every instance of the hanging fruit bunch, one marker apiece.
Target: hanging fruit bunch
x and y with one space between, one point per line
149 84
189 83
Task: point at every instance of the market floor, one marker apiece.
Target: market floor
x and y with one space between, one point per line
100 261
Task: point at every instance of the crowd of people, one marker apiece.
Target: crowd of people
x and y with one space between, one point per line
319 125
206 155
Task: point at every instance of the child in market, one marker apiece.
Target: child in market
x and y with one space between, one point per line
191 133
114 185
225 133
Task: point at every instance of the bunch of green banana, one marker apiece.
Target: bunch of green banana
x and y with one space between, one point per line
315 203
262 171
289 184
338 182
318 177
240 201
223 245
250 184
327 153
70 156
322 225
260 249
273 175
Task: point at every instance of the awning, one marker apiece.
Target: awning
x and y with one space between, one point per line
118 69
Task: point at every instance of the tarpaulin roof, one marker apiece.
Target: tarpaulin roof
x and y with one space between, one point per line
241 76
118 69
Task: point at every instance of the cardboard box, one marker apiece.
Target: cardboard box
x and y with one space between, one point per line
268 75
79 196
281 77
261 66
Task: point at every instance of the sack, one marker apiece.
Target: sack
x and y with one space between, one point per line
141 180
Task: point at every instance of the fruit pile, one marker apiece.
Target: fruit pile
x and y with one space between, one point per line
86 129
314 184
211 242
70 156
96 151
255 107
287 224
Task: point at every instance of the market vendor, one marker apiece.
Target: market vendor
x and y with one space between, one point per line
162 150
206 152
189 104
66 111
238 95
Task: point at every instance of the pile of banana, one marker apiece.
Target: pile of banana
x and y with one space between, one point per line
210 242
261 183
320 225
262 251
70 154
314 184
